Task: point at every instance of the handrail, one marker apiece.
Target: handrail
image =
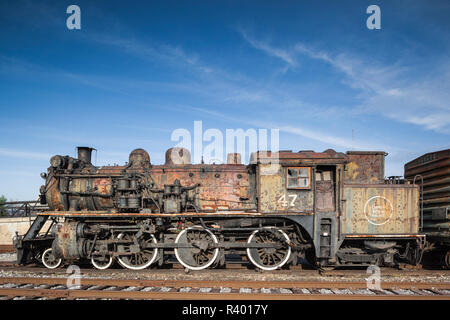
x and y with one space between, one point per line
421 199
27 208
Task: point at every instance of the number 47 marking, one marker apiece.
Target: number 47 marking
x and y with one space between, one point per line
282 200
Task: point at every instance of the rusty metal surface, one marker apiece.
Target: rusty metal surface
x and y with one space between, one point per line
225 187
433 170
316 197
329 156
139 158
325 190
222 187
427 162
85 154
66 244
234 158
381 209
365 167
275 197
82 185
177 156
133 214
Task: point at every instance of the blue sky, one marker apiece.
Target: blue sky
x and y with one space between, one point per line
138 70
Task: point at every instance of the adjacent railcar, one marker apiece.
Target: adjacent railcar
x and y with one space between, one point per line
432 172
332 208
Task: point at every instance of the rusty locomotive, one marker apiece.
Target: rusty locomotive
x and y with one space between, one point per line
332 208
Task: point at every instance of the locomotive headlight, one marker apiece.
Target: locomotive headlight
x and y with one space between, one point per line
43 175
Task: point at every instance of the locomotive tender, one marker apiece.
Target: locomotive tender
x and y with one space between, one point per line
332 208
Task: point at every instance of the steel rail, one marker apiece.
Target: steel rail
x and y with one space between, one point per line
135 289
232 267
234 284
140 295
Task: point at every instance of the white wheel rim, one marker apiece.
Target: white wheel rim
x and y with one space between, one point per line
146 265
102 267
47 265
216 251
282 263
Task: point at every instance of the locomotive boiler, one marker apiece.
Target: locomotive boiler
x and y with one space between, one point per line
332 208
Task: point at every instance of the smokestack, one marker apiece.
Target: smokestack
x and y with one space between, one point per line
84 154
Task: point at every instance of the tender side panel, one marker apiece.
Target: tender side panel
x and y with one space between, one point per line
381 209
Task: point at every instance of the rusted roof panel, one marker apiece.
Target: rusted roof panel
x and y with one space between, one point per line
328 154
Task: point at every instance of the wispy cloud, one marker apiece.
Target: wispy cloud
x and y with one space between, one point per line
332 140
4 152
282 54
316 135
391 88
374 82
394 91
15 173
172 54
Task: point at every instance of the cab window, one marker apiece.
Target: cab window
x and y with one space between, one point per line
298 177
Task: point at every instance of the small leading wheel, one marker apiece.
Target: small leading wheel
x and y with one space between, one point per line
49 259
101 262
269 258
201 255
137 257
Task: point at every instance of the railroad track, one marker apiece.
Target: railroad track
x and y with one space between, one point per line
294 270
58 288
6 248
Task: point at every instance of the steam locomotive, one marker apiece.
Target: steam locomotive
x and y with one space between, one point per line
331 208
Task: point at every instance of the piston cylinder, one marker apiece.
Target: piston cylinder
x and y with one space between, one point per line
69 243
